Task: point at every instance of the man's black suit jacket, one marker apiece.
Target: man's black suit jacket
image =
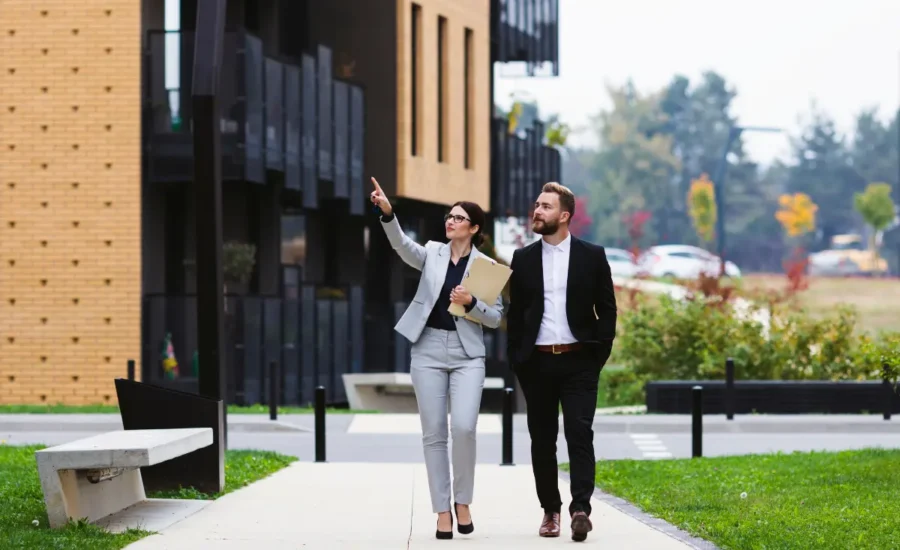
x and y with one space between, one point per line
590 299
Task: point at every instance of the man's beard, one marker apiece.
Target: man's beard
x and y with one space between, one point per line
545 227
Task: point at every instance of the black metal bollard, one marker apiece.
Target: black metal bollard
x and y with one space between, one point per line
508 400
697 425
888 391
320 424
131 370
273 390
729 389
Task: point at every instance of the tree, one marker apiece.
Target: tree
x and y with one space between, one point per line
698 118
635 224
874 157
873 153
581 222
702 207
823 170
876 207
797 214
633 169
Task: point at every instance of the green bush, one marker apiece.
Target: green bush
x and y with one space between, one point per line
620 387
665 338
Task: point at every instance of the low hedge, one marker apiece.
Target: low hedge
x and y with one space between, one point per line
661 338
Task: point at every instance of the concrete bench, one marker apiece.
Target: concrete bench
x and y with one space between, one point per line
391 391
96 477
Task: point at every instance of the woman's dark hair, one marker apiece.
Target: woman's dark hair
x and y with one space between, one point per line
476 217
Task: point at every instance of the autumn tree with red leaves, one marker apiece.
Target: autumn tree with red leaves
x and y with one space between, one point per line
582 221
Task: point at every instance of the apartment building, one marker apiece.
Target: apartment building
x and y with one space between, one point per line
96 205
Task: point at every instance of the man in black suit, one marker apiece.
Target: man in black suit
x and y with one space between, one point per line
561 325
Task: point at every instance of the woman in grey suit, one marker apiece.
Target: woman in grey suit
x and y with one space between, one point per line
447 353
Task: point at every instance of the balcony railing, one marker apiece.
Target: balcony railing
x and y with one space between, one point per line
527 31
290 116
315 338
521 164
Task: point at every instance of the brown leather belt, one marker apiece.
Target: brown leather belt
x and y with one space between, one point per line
556 349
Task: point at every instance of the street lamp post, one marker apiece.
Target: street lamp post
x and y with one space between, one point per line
734 132
209 41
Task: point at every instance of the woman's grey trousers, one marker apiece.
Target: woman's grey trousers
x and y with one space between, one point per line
443 375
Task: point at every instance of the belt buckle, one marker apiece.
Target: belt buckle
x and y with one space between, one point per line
553 350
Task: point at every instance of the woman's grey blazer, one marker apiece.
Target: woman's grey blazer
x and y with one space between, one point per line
433 260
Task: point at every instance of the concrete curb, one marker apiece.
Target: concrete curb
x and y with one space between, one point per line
653 522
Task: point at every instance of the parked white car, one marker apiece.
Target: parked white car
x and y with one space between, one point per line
682 262
621 262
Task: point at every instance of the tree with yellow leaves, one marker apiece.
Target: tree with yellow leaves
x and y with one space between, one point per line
797 214
876 207
702 207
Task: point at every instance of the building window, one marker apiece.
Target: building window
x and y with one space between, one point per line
442 81
467 101
415 72
293 240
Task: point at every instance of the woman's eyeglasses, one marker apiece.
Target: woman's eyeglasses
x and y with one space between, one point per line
457 218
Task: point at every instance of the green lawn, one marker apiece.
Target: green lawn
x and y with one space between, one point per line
23 502
815 501
113 409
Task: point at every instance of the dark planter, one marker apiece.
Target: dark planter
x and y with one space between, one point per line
774 397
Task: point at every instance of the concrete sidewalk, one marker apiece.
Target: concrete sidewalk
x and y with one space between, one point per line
387 506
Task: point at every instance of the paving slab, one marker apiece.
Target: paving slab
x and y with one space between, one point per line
387 506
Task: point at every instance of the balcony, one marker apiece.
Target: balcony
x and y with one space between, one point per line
315 337
526 31
285 115
520 165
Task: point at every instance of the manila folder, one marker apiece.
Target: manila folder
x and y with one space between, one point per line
485 281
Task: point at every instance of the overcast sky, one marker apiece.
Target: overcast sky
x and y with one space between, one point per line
779 54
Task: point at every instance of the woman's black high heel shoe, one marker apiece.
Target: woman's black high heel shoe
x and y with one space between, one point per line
463 529
445 535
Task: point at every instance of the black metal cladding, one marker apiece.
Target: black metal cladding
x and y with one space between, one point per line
522 165
292 106
325 113
254 126
315 340
527 31
167 112
341 140
278 115
274 115
309 133
357 129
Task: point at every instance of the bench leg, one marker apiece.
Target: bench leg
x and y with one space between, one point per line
70 494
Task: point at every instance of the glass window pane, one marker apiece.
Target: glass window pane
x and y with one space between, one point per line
293 240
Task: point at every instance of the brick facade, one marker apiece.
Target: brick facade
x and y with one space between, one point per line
423 176
70 198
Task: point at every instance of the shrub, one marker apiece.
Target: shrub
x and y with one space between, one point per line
666 338
621 387
873 354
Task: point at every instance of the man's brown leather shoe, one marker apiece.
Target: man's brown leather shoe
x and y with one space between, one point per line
581 526
550 525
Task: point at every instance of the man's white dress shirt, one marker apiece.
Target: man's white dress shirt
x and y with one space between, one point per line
554 324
